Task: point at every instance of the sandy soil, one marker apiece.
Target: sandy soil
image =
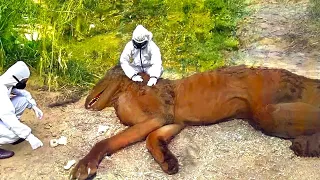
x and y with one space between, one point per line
274 36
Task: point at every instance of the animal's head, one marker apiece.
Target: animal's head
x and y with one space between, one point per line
103 92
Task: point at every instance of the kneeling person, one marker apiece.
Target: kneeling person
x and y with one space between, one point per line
13 82
141 54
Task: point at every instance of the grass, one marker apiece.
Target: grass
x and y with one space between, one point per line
80 40
315 8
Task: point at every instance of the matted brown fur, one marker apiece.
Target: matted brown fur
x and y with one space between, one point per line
277 101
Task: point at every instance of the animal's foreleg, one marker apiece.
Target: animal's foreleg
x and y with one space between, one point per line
89 164
157 144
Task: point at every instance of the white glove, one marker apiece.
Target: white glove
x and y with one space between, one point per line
34 141
38 112
137 78
152 81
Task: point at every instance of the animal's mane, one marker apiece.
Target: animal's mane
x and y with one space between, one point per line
243 70
117 70
164 87
240 69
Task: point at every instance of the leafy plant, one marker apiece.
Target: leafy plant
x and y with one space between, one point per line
16 18
79 40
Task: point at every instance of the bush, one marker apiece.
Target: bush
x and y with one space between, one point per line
315 8
16 16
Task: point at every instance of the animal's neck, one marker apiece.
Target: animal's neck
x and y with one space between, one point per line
124 86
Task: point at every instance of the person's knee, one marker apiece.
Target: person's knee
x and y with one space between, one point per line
25 103
8 138
20 103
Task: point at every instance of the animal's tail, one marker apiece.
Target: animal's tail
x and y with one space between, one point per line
67 98
64 103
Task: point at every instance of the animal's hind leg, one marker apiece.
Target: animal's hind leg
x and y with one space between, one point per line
293 120
157 144
289 120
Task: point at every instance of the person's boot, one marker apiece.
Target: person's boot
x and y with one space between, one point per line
5 154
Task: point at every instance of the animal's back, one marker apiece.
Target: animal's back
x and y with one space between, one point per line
201 97
273 86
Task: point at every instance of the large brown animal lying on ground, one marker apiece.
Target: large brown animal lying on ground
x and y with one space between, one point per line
276 101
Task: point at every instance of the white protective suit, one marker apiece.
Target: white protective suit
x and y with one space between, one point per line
11 109
147 60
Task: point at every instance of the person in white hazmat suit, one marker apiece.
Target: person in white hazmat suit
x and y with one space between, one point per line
14 100
141 54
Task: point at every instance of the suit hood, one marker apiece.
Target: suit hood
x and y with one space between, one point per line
20 70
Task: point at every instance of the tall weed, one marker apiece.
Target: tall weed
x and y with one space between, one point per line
81 39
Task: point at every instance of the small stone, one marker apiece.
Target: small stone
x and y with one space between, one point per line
264 25
69 164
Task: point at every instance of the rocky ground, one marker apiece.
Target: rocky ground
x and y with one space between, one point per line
277 34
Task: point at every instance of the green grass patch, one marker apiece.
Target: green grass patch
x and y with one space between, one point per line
80 40
315 8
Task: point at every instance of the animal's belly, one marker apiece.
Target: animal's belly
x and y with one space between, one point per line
209 109
207 112
195 113
204 101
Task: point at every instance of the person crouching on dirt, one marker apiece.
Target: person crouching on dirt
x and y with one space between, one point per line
14 100
145 55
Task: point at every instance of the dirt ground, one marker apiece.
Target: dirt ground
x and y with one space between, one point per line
276 35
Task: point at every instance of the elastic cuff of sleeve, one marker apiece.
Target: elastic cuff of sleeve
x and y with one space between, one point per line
134 76
26 138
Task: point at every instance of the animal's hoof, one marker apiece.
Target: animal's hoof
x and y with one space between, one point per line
170 164
84 169
298 148
307 146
